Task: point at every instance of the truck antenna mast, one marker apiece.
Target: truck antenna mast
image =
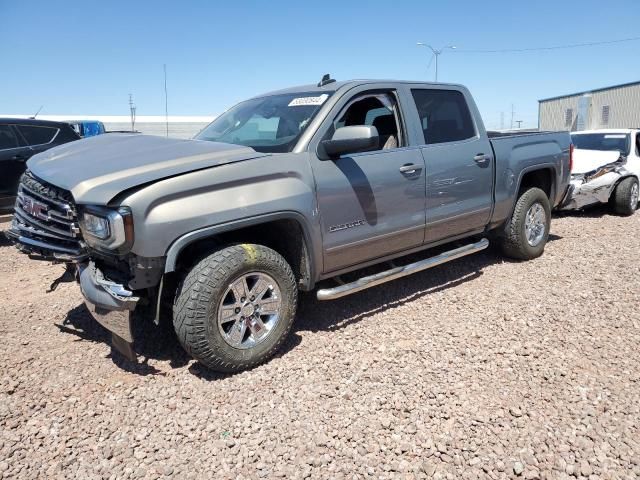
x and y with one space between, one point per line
36 114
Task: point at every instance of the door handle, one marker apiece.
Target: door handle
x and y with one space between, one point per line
18 157
481 159
409 168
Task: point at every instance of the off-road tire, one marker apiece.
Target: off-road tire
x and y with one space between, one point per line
621 198
514 243
195 310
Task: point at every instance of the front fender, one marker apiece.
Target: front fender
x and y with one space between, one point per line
181 243
169 212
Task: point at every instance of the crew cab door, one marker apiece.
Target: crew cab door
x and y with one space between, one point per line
459 162
371 204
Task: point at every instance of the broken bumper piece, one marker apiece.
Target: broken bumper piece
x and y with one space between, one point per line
582 194
593 187
111 305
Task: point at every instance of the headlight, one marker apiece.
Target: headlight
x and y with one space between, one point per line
106 229
96 226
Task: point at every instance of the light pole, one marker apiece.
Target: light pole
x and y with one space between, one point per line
436 52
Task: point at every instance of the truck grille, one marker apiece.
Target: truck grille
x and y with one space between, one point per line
45 221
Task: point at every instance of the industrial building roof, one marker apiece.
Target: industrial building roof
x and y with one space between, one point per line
591 91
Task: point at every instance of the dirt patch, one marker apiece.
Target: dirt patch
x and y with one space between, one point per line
483 368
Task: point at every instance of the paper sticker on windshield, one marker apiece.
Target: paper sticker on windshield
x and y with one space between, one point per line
616 136
304 101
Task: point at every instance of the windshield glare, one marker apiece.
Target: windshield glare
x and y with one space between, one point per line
266 124
602 141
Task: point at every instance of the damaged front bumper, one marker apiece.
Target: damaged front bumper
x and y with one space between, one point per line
111 305
593 187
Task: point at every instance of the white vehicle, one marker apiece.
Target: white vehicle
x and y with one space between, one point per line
605 169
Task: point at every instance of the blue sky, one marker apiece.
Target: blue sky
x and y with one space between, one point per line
86 57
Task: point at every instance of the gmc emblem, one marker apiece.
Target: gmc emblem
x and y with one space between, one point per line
34 208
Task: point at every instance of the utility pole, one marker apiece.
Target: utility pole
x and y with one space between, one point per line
166 104
501 120
132 111
512 113
519 122
436 52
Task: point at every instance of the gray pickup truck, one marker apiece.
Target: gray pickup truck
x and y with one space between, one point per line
278 193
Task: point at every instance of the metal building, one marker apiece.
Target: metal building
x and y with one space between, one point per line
611 107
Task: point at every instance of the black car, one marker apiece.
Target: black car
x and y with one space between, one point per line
20 139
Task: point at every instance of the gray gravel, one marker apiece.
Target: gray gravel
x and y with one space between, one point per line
479 369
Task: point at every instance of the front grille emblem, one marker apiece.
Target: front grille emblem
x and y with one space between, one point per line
34 208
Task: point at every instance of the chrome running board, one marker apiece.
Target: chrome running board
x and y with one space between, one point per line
398 272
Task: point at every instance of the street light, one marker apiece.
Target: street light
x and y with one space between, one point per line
436 52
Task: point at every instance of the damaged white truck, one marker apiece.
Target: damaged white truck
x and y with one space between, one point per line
605 169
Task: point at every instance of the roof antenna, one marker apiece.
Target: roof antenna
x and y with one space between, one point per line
326 79
36 114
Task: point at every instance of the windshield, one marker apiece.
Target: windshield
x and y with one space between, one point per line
602 141
266 124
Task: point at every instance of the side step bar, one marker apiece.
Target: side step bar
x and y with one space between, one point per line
398 272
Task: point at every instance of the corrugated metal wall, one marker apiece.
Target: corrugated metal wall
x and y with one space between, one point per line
552 113
623 103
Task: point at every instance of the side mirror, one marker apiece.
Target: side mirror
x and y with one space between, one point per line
352 139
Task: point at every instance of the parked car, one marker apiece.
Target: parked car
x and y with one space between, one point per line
87 128
278 193
20 139
606 169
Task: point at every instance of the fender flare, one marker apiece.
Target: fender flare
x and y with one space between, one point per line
183 241
534 168
624 176
518 184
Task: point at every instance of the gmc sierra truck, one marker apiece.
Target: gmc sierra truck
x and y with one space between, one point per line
276 194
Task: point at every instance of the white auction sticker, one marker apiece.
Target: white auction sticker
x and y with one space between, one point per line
616 136
304 101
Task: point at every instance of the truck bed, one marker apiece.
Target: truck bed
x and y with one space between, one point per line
520 151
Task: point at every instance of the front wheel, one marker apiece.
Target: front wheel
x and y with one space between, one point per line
528 230
236 307
625 197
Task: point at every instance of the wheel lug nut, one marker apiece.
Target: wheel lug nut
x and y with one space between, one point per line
243 299
252 298
237 310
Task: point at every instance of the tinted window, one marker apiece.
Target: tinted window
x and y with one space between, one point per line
67 134
7 138
37 135
602 141
444 115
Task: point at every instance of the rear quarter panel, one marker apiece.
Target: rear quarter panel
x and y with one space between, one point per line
516 155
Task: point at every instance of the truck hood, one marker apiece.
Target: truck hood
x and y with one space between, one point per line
97 169
588 160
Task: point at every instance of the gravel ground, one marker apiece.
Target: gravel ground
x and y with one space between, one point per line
479 369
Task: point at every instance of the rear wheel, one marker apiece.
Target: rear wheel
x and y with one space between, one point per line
528 230
625 197
236 307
